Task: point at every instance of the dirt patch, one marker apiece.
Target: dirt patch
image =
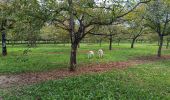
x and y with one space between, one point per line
153 58
166 49
7 81
83 51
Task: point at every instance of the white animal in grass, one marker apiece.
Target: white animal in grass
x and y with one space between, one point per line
90 54
100 53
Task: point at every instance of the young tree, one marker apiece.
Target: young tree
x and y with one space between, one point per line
135 30
135 23
109 31
158 19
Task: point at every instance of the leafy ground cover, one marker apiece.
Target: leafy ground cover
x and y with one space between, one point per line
145 81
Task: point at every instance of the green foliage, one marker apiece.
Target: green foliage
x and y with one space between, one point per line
157 16
50 32
29 19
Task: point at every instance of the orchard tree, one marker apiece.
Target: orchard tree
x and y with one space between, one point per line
79 17
115 33
108 31
135 30
135 23
158 19
6 22
30 18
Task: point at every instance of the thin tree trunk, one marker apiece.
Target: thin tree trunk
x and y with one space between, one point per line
133 42
167 44
158 42
4 49
100 42
13 42
110 45
8 41
160 46
64 43
118 42
73 56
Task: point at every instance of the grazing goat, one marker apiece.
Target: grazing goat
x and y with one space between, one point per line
90 54
100 53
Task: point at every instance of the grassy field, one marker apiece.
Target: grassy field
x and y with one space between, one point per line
48 57
148 81
142 82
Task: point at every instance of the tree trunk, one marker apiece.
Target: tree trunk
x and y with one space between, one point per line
63 42
167 44
74 44
100 42
34 43
118 42
73 56
158 42
133 42
110 45
4 50
160 46
8 41
78 45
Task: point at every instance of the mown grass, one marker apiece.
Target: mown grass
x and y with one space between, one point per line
49 57
142 82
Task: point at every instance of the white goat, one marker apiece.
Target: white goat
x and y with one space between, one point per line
90 54
100 53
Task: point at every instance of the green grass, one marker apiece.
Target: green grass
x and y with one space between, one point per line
142 82
49 57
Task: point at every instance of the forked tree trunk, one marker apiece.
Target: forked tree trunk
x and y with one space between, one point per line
73 60
160 46
73 57
4 49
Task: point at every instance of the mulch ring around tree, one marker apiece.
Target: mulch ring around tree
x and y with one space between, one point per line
7 81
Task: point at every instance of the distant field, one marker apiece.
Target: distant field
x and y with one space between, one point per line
48 57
